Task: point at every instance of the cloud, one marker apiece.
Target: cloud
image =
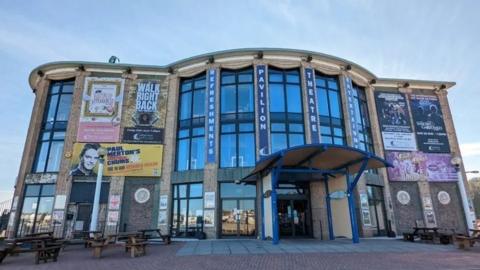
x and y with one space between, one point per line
470 149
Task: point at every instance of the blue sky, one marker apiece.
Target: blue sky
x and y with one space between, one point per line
431 40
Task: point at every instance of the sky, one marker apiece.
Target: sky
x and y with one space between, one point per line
430 40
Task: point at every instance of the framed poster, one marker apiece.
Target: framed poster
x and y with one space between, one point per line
144 118
114 202
101 110
209 199
163 202
394 120
162 217
112 218
429 124
209 218
121 159
57 216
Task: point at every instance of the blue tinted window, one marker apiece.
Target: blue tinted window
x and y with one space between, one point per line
295 139
199 103
275 76
335 106
196 190
186 106
246 127
232 190
198 153
294 99
277 98
245 98
183 156
279 141
246 150
228 99
323 108
228 150
278 127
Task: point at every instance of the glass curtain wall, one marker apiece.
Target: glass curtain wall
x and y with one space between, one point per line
330 112
237 139
54 125
187 214
238 209
286 110
191 124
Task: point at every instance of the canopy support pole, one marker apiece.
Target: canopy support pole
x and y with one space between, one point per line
331 235
351 200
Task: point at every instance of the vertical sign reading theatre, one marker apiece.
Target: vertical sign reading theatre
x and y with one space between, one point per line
145 114
101 110
212 85
355 119
262 111
312 105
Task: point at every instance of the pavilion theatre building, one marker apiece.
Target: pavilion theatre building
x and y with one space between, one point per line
248 143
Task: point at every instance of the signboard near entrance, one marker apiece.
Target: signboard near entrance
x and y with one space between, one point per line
338 195
212 86
312 105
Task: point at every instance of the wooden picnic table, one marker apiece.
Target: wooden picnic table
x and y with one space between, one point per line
98 244
45 247
147 235
88 235
49 233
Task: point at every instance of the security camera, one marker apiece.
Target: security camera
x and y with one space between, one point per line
456 162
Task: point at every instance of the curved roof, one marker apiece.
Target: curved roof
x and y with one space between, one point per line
219 54
328 158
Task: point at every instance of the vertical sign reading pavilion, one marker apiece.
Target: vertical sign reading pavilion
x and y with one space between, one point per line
212 85
312 105
355 120
262 111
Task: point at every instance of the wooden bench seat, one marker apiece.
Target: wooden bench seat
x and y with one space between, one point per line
136 249
464 242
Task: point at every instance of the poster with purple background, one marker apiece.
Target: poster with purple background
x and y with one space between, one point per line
418 166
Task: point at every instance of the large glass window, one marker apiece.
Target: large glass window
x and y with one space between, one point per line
187 213
286 113
330 109
237 139
37 209
361 108
191 124
238 209
54 124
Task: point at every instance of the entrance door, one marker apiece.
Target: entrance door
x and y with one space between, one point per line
293 216
83 217
238 217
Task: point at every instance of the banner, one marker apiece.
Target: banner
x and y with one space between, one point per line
121 159
212 86
144 118
312 105
354 113
429 125
262 111
418 166
394 121
101 110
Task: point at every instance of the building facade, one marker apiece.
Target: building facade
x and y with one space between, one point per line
178 137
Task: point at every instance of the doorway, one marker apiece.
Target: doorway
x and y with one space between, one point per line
293 206
376 203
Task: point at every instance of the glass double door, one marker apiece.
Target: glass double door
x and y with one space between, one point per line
294 217
238 217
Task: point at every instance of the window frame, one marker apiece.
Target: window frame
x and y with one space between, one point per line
331 125
51 126
192 122
236 118
39 196
287 116
176 199
360 97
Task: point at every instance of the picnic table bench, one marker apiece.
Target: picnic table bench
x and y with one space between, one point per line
430 234
87 236
465 241
99 244
147 234
44 247
136 244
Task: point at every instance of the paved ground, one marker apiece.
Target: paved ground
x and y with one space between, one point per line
253 254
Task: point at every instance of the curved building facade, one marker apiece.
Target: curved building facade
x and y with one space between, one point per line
179 138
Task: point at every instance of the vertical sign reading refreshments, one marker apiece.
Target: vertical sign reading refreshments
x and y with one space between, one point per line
262 111
312 105
355 120
212 79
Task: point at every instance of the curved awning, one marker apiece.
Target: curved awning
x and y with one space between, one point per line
321 158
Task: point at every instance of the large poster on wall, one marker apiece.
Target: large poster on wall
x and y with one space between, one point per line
121 159
418 166
429 124
101 110
144 118
394 120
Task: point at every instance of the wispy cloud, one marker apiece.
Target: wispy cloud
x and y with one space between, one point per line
470 149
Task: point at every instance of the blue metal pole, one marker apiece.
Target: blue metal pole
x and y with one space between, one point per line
353 216
276 236
331 235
